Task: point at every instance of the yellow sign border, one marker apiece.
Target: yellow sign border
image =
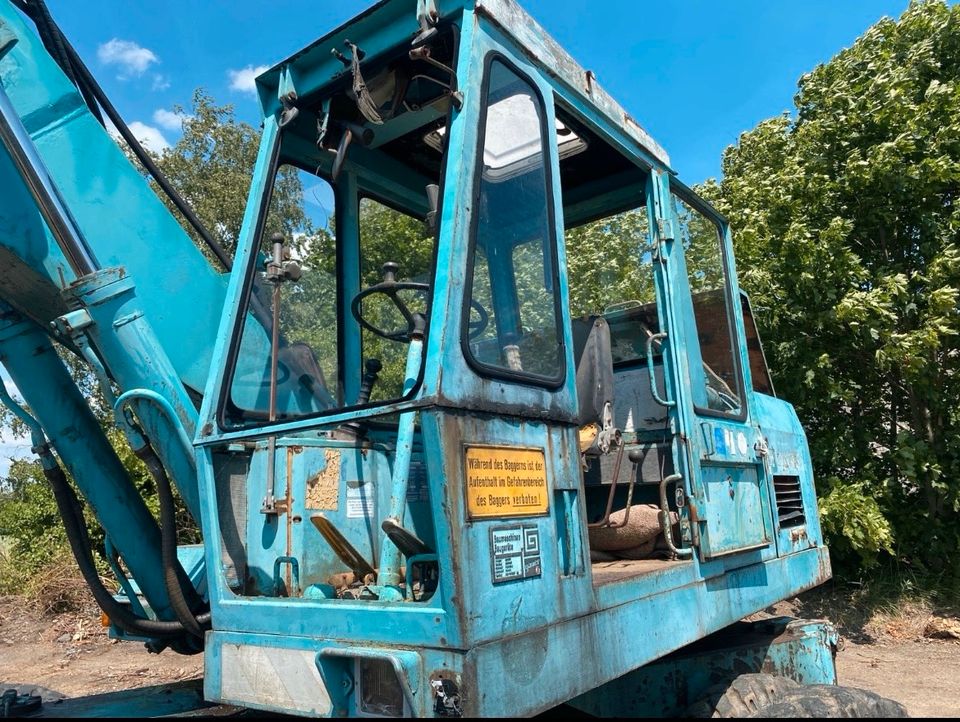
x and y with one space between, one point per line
498 512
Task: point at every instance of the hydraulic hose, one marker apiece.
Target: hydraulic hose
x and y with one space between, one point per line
174 578
169 633
79 538
172 571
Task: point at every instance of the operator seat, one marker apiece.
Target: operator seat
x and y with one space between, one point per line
594 363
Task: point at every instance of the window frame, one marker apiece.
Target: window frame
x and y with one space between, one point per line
226 405
362 195
687 195
551 383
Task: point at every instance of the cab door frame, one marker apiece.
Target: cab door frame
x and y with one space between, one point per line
719 455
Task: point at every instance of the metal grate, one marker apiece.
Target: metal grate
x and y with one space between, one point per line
789 501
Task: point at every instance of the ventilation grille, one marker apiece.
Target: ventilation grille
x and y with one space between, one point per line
789 501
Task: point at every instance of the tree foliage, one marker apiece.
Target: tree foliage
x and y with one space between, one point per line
211 164
846 224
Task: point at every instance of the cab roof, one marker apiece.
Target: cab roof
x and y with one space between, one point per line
381 27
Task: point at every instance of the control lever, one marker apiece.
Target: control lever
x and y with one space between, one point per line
370 376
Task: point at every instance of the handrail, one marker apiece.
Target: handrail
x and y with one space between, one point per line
653 379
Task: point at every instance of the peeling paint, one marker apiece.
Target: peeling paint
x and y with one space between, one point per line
323 488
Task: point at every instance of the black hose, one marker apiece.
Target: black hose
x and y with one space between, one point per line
173 576
75 69
79 538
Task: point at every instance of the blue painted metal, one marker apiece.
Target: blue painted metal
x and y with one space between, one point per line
28 355
505 644
800 650
112 204
389 572
282 639
156 335
653 376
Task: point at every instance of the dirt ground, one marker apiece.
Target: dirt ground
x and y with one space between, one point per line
892 654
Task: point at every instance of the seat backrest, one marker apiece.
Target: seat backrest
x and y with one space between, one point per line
594 360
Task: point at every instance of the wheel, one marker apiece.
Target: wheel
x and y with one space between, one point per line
770 695
747 694
478 325
827 700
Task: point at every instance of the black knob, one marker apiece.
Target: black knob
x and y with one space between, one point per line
373 368
390 271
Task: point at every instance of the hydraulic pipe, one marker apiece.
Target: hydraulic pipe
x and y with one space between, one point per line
73 430
119 328
18 144
390 576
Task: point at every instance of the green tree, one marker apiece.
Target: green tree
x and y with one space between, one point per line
846 224
609 262
211 166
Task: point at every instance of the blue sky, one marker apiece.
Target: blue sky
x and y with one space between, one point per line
696 74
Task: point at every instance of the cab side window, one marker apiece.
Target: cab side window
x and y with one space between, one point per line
719 385
512 317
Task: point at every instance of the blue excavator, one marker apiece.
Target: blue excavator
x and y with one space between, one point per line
482 429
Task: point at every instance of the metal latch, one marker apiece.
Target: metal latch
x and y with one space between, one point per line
665 229
761 447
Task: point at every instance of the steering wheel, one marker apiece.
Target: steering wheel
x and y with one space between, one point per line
475 328
389 286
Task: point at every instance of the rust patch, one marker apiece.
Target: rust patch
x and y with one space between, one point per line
323 488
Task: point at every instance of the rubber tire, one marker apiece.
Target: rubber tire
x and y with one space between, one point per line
773 696
827 700
742 697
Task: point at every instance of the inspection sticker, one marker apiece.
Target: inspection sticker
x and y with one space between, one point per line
505 481
515 552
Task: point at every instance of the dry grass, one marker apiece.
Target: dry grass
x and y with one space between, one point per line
903 620
58 588
884 609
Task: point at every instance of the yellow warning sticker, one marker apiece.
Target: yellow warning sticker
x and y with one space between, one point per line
505 481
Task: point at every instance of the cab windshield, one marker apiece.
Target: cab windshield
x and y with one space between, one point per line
344 264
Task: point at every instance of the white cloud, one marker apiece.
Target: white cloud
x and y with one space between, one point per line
130 58
169 119
150 138
244 80
160 82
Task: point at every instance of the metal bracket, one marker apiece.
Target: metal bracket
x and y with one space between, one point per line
72 323
665 229
761 447
423 53
290 111
428 15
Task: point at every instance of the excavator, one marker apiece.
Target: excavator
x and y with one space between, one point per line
524 452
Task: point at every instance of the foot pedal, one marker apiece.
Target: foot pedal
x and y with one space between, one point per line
409 544
344 549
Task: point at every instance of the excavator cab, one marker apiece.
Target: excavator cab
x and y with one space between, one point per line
482 400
